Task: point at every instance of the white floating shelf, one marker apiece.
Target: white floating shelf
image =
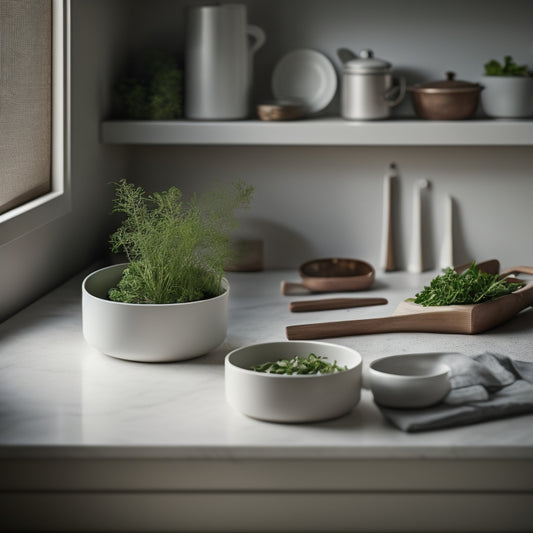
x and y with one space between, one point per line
321 132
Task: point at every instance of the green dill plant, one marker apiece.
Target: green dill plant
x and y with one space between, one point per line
176 249
472 286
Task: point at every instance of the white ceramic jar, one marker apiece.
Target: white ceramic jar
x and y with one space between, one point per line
218 62
369 90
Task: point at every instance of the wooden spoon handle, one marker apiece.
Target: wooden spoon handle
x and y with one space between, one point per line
438 321
334 303
517 270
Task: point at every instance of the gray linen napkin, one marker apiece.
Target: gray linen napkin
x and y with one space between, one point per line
483 387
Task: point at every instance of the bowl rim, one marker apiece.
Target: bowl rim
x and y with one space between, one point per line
441 369
261 375
87 293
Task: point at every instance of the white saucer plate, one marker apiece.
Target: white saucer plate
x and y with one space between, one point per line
306 76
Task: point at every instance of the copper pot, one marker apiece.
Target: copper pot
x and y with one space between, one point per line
448 99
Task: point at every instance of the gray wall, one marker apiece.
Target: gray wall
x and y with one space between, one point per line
323 201
327 201
309 201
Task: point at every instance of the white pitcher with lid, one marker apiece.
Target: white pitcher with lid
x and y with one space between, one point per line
220 46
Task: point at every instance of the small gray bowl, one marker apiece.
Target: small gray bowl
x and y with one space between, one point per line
409 381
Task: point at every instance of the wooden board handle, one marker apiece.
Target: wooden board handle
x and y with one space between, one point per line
334 303
437 322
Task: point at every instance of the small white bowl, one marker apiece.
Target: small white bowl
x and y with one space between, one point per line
409 381
292 398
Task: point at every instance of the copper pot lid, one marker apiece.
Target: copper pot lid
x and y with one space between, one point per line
450 84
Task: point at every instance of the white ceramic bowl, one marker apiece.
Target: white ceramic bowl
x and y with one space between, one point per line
507 96
294 398
409 381
150 332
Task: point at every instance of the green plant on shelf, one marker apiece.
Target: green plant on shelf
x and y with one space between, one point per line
152 89
508 68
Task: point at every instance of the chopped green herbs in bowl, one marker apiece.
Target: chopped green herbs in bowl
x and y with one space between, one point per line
293 381
312 364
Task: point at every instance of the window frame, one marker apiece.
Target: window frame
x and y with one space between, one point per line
46 208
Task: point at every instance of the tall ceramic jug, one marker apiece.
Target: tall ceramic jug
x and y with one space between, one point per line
218 62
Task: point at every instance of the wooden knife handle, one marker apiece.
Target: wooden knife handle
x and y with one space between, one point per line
334 303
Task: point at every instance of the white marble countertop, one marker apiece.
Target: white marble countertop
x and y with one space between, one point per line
61 398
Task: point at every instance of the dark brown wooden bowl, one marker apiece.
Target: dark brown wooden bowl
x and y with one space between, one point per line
337 275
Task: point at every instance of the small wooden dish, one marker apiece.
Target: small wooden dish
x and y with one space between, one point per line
337 274
279 111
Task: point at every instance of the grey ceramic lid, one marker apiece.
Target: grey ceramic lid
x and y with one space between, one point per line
366 63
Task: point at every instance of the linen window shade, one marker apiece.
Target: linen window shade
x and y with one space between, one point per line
25 100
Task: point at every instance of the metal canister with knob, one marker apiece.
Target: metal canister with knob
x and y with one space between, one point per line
369 89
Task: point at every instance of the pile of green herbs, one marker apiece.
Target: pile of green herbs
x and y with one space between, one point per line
508 68
472 286
151 88
312 364
176 249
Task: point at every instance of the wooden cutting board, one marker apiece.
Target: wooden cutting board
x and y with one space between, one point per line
408 316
